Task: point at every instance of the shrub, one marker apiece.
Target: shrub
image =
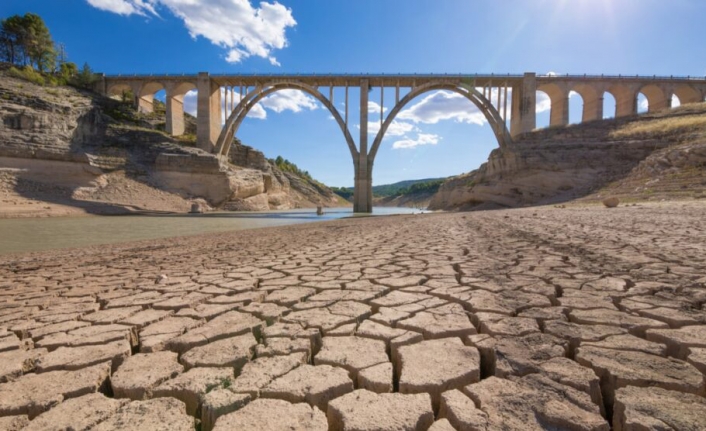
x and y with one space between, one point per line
27 73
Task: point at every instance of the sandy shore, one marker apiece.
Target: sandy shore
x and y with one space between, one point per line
571 318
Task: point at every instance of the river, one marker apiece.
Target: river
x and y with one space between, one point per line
36 234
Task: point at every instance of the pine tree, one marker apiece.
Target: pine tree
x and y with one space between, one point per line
26 40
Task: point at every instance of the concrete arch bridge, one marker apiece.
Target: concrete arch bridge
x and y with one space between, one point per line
508 103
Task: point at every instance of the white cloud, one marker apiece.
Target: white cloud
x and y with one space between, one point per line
283 100
289 100
396 128
232 24
644 104
374 108
121 7
675 101
422 139
544 103
443 105
190 101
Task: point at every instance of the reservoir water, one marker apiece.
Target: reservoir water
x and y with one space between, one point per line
36 234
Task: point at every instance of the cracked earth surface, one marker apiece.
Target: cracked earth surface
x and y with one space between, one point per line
530 319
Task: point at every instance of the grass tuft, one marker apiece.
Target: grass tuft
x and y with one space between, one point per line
661 126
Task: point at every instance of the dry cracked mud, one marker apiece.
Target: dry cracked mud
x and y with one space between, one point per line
579 318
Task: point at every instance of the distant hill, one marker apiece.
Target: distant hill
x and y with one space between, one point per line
386 190
397 188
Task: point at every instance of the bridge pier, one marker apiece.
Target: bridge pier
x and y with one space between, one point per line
175 114
559 115
524 105
363 188
208 112
592 108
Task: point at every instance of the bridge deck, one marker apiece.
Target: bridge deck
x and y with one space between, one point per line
402 80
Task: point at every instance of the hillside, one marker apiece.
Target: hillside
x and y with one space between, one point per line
398 188
647 157
67 151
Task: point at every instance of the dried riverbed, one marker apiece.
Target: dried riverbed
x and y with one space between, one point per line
531 319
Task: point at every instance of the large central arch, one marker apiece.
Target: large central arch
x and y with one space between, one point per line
491 114
249 101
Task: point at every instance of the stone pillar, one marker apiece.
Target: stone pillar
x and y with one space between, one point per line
524 106
208 112
175 114
363 189
659 100
625 103
592 108
145 104
559 115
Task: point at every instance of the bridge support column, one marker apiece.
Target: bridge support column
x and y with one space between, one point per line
660 100
625 102
208 112
592 108
363 188
524 106
175 115
145 104
559 115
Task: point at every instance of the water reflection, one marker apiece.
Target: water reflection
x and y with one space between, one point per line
18 235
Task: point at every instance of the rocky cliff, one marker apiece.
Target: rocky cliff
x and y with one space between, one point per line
66 151
652 156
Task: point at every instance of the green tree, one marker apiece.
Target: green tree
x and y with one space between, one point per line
39 44
26 40
85 77
12 36
68 71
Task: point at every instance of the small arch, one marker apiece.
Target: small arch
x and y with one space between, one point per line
657 99
250 100
577 106
176 124
121 91
687 94
180 89
643 104
625 100
609 105
484 105
592 102
145 97
676 102
543 110
559 96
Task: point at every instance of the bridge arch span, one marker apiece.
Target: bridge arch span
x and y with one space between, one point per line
592 99
558 94
687 94
491 114
625 100
249 101
145 95
657 98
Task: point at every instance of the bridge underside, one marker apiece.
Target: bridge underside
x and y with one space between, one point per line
509 103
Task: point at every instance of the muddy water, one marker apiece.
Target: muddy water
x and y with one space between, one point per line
20 235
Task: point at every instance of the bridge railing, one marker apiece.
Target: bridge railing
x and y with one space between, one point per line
410 75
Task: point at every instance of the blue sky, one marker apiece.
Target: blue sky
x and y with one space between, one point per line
440 135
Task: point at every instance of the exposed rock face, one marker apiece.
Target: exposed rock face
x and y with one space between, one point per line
561 164
79 150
